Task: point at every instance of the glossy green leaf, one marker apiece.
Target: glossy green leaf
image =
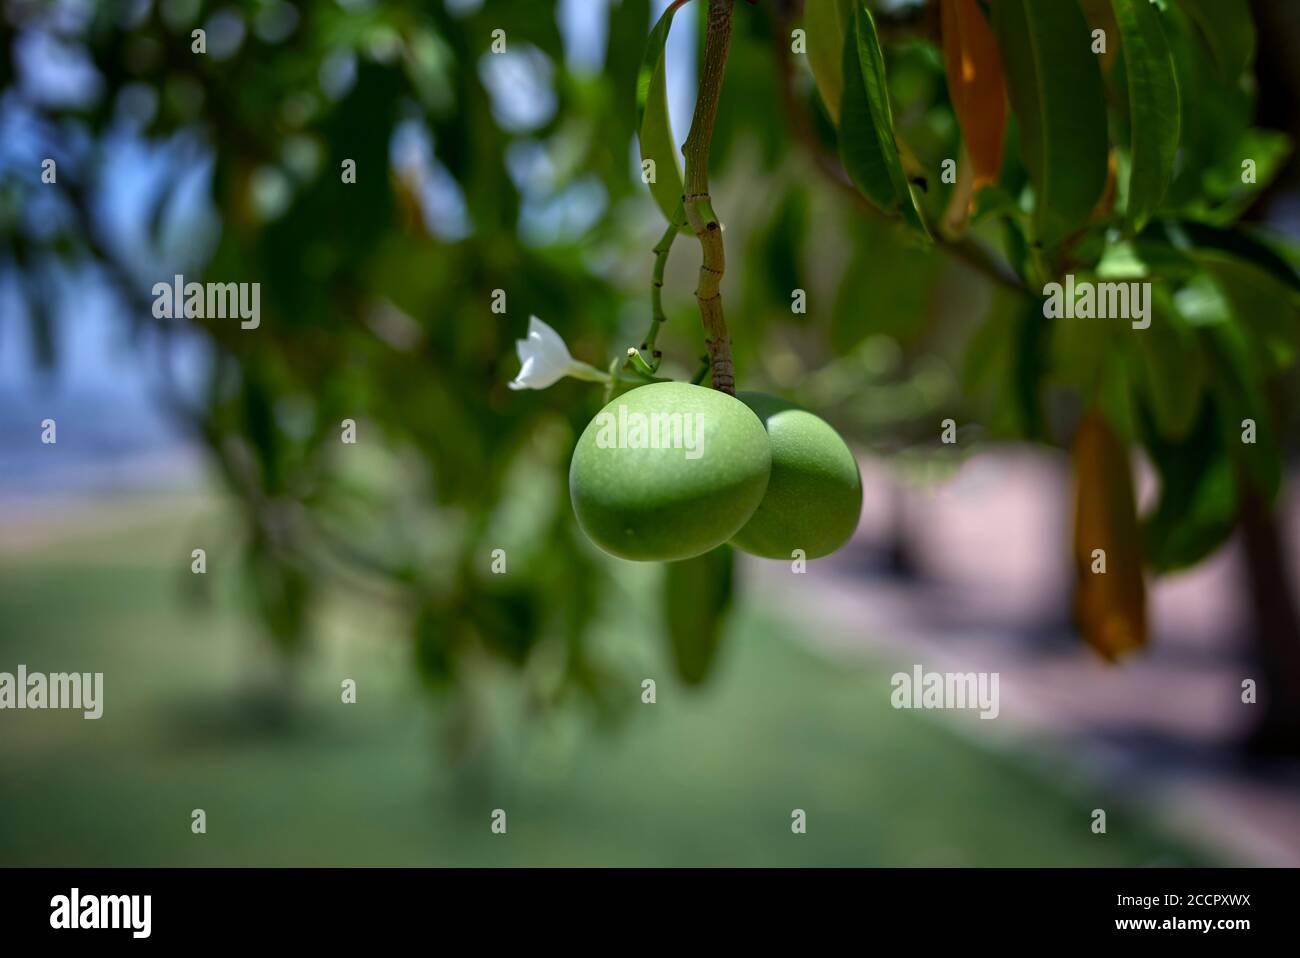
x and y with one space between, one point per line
696 598
654 126
867 144
1055 88
1153 106
825 23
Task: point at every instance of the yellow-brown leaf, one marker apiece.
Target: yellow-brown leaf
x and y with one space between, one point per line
1110 607
975 84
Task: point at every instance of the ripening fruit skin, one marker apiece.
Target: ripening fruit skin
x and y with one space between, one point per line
664 504
814 497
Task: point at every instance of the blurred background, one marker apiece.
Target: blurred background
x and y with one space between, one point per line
518 171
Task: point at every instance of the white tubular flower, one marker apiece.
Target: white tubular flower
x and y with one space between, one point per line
546 360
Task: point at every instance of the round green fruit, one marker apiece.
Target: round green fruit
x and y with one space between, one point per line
668 471
814 496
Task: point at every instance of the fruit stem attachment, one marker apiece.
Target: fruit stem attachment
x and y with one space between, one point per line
638 363
696 202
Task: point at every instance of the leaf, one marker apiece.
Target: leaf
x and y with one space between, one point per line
1201 473
1088 355
1056 93
1153 106
1196 510
1238 393
1004 363
1229 32
825 23
1261 303
1101 16
976 86
625 40
1215 114
1172 369
1226 197
696 597
1238 242
778 250
867 145
885 273
655 131
1110 606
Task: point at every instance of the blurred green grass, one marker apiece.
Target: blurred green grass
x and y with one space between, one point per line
701 778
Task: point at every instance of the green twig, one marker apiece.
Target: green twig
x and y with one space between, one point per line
657 317
638 362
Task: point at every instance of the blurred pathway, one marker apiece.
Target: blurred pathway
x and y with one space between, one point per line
991 548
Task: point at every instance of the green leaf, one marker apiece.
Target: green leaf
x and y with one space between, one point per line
1228 30
867 144
654 126
1005 362
697 595
1261 303
1092 356
1153 105
778 252
1056 93
1197 506
825 22
1215 115
1236 383
1226 196
1114 394
1172 369
1238 242
895 279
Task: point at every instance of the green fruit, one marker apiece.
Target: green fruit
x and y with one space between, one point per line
668 471
814 496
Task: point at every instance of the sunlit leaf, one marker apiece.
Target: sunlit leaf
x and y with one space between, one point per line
867 145
654 124
825 23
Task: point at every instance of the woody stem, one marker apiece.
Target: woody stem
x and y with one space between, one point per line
698 206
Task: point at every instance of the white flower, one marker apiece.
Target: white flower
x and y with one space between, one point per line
546 359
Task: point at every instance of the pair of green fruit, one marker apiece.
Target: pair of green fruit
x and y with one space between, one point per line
670 470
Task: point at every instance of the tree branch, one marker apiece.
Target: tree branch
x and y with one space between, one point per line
699 208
